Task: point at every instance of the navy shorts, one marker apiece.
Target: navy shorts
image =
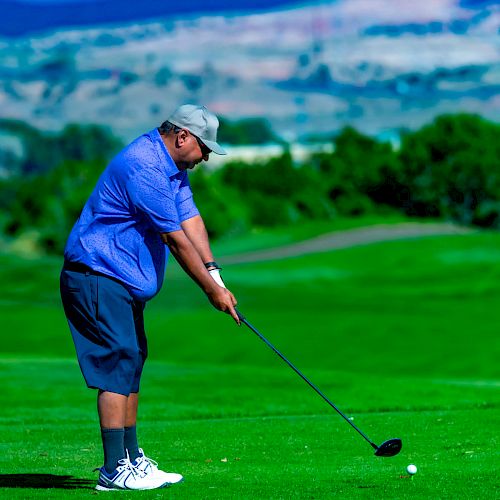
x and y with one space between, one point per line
107 326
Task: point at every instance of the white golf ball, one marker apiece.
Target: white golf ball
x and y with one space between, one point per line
411 469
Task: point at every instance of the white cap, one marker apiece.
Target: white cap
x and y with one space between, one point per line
200 122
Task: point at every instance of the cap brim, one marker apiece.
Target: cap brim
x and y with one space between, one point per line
214 147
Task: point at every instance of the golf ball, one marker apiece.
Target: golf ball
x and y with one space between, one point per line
411 469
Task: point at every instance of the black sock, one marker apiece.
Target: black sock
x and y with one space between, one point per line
130 441
114 449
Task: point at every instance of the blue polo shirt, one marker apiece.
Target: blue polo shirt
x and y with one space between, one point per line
140 194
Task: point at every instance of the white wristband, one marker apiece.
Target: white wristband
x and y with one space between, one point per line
217 278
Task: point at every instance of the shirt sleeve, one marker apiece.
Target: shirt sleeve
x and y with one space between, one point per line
186 207
151 193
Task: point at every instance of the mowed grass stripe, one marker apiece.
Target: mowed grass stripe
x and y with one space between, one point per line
231 441
242 391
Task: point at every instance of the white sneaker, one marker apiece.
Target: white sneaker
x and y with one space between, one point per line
150 467
127 476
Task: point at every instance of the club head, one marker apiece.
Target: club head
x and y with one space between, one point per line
389 448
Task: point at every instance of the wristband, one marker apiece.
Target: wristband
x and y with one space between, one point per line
212 264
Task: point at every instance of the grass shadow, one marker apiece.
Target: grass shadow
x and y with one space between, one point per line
44 481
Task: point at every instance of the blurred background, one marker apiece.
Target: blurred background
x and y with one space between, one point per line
370 126
346 98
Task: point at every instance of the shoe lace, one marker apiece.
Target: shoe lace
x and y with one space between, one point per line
150 461
136 472
126 464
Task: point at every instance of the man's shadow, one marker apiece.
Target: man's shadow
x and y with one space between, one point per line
44 481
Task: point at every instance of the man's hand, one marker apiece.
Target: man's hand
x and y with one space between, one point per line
223 300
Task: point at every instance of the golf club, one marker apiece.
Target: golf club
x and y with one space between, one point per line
388 448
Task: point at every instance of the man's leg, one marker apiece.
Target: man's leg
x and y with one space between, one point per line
114 415
131 445
112 410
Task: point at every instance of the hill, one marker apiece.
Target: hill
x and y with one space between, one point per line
309 69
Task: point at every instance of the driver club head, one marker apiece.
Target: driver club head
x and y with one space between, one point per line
389 448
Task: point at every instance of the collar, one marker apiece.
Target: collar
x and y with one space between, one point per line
165 158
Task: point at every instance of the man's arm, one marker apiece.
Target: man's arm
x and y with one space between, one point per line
195 230
191 261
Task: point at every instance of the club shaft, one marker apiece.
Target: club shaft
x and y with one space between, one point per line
305 379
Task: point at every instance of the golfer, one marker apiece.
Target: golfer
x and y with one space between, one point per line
141 210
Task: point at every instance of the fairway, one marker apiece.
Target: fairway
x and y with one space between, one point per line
401 335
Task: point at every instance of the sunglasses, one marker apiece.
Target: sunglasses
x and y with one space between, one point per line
204 149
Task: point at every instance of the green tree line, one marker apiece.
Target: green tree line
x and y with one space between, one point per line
448 169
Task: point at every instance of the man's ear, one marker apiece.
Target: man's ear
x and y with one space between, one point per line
181 137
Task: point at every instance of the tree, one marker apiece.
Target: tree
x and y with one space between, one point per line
452 170
359 173
246 131
58 173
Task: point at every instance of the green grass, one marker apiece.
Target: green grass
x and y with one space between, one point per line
401 335
279 440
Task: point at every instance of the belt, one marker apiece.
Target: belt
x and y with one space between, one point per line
78 267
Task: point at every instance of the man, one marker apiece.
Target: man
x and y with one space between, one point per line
141 210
